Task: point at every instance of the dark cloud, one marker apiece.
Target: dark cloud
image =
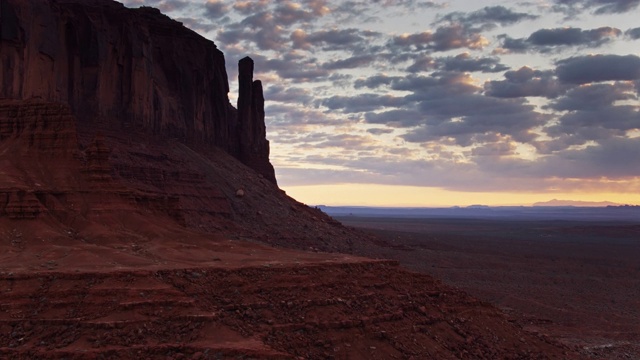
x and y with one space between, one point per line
307 138
287 116
495 149
438 85
368 10
560 142
595 96
466 63
215 9
511 45
487 17
396 56
282 15
614 157
260 29
422 63
379 131
300 72
455 37
353 142
593 112
600 7
596 68
396 118
545 40
477 114
332 40
267 24
430 4
445 38
450 105
346 141
350 63
340 80
525 82
318 7
633 33
609 158
231 37
288 14
287 94
419 40
615 120
362 103
573 36
411 4
250 7
374 82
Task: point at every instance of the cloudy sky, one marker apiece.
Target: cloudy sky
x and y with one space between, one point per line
430 103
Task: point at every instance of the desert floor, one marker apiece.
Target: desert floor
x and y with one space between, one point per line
578 282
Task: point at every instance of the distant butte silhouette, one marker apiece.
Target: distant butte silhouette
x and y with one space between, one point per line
140 215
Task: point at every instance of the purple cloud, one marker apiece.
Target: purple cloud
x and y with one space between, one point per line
595 68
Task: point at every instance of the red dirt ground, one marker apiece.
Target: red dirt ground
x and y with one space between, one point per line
208 299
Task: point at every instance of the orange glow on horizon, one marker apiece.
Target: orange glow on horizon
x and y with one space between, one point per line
413 196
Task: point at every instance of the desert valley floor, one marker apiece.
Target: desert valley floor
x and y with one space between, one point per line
578 282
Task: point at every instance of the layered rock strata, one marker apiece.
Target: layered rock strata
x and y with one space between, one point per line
46 174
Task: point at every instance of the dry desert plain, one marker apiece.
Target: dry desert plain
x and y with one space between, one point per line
576 281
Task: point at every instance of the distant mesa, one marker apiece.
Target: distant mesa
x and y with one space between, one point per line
556 202
477 206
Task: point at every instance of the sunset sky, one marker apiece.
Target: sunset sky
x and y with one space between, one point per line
440 103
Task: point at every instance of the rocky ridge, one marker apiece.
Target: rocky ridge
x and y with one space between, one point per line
258 313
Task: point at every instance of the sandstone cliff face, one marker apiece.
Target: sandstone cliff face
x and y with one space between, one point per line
46 175
254 146
132 70
115 124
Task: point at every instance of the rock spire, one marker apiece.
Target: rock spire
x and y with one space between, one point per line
254 146
129 70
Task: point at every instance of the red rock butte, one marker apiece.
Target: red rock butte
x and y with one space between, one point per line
140 215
